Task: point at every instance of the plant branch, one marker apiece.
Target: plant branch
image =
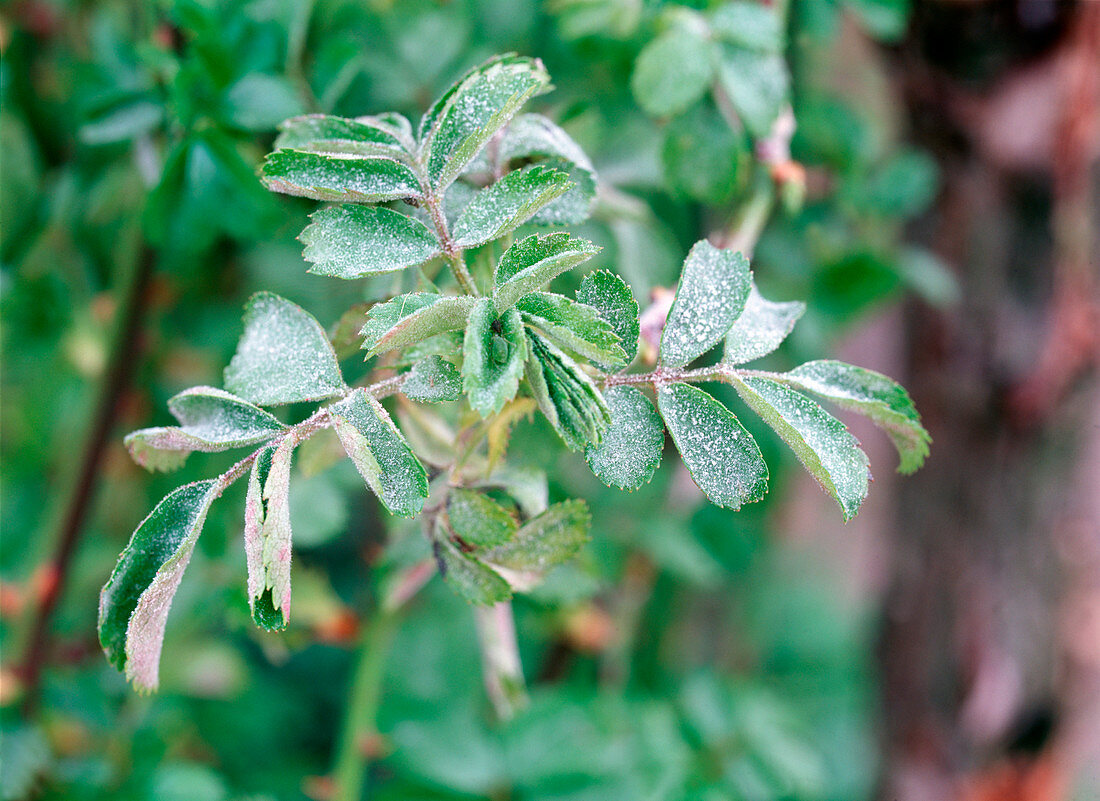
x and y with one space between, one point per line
715 372
496 630
452 254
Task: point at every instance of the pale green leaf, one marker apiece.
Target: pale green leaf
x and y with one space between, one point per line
757 85
882 399
534 137
380 453
673 71
350 241
747 24
259 101
133 606
477 520
545 541
339 177
431 380
712 293
566 395
820 441
722 457
507 204
612 299
322 133
409 319
534 261
494 351
630 451
267 536
468 577
284 355
761 328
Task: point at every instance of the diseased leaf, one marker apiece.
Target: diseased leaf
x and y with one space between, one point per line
630 451
545 541
380 453
494 350
133 606
211 420
267 536
712 293
339 177
478 521
673 71
526 485
565 394
761 328
322 133
460 123
284 355
757 86
819 440
748 25
573 326
507 204
468 577
722 457
352 241
613 301
432 380
412 318
882 399
534 261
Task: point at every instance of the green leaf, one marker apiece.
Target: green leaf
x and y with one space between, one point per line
545 541
761 328
258 101
507 204
703 158
630 451
472 580
613 301
133 606
565 394
526 485
534 137
534 261
722 457
342 178
494 350
284 355
432 380
352 241
412 318
882 399
380 453
757 85
712 293
211 420
480 104
749 25
673 71
321 133
478 521
573 326
819 440
267 536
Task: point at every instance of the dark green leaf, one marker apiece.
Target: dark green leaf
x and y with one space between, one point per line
565 394
342 178
613 301
478 521
761 328
630 451
573 326
472 580
534 261
321 133
352 241
494 350
704 159
431 380
507 204
545 541
408 319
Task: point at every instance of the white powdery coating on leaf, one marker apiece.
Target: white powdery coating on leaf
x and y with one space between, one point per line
217 416
339 177
507 204
712 293
432 380
615 303
351 241
275 536
534 136
534 261
545 541
492 360
630 451
284 356
761 328
412 318
253 525
722 457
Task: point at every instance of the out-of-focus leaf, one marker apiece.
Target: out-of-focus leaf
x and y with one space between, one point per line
123 122
352 241
412 318
25 755
474 581
342 178
534 261
493 353
722 457
746 24
611 298
573 326
674 70
565 394
761 328
630 451
507 204
703 158
284 355
884 19
757 85
477 520
432 380
545 541
259 102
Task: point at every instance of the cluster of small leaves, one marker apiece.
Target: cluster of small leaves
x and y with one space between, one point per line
475 356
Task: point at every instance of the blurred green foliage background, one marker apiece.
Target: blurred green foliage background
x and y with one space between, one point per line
688 654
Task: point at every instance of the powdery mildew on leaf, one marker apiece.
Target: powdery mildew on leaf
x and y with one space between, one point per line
133 606
567 397
255 509
820 441
573 326
273 599
284 355
712 293
409 319
323 133
339 177
352 241
380 453
882 399
612 299
534 261
477 520
471 579
507 204
533 136
432 380
545 541
630 451
493 353
761 328
722 457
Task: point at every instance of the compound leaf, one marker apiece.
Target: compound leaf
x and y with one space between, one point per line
412 318
545 541
352 241
478 521
534 261
493 353
507 204
432 380
614 302
573 326
339 177
761 328
565 394
630 451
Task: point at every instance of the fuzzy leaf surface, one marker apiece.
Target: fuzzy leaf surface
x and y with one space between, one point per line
534 261
761 328
267 537
340 178
479 521
545 541
713 289
412 318
133 606
507 204
432 380
493 353
350 241
614 302
722 457
472 580
565 394
534 137
820 441
322 133
284 356
880 398
630 451
573 326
